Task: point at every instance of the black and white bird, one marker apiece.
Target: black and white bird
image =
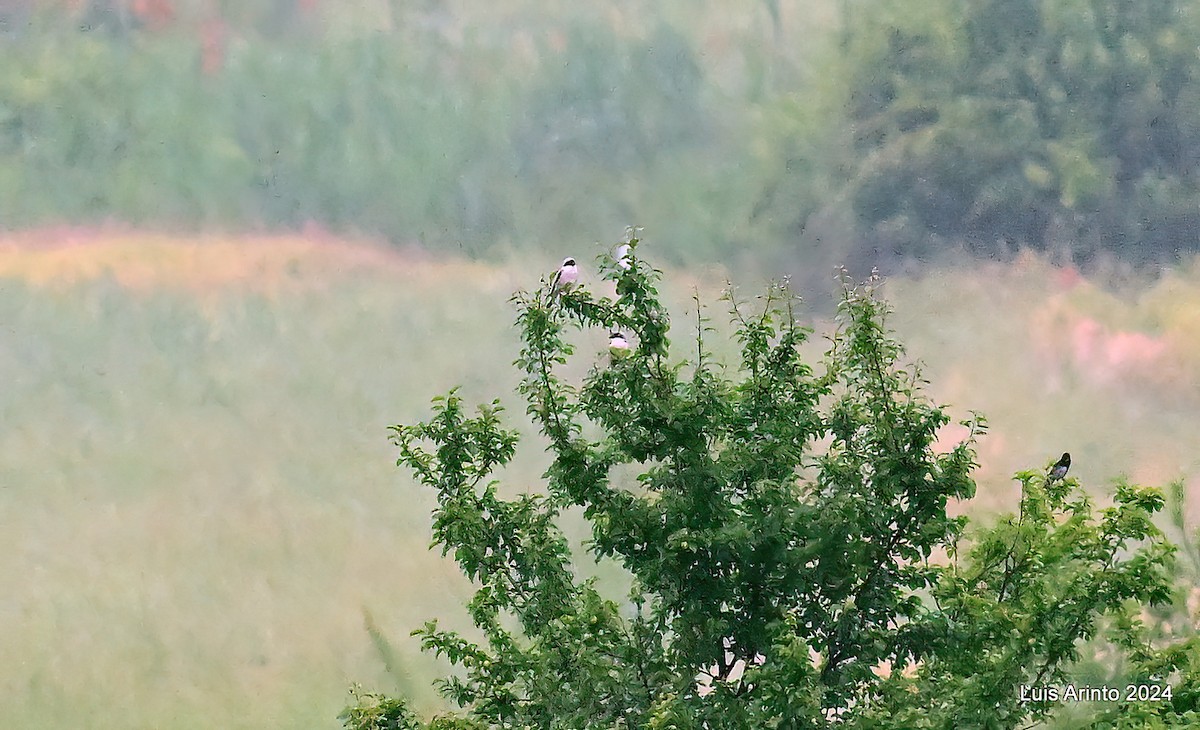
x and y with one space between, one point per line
564 277
1059 470
622 256
618 346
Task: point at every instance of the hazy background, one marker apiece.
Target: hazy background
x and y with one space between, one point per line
239 239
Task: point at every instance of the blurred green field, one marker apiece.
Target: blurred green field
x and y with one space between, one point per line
198 498
482 128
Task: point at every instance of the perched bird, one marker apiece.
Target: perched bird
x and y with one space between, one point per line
1059 470
618 346
622 256
565 276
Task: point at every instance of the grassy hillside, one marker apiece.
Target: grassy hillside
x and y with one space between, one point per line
198 492
199 497
199 500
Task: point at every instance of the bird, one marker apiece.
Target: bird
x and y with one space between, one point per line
1059 470
618 346
622 256
565 276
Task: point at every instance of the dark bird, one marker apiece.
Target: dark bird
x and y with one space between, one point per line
1059 470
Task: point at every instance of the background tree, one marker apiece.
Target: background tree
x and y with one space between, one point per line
1042 123
787 538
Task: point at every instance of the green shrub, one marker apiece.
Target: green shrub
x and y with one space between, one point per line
782 535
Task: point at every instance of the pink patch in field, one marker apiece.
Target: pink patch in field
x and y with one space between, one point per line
1065 343
1104 356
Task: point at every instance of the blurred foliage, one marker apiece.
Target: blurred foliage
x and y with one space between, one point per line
93 130
770 133
1043 123
427 125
